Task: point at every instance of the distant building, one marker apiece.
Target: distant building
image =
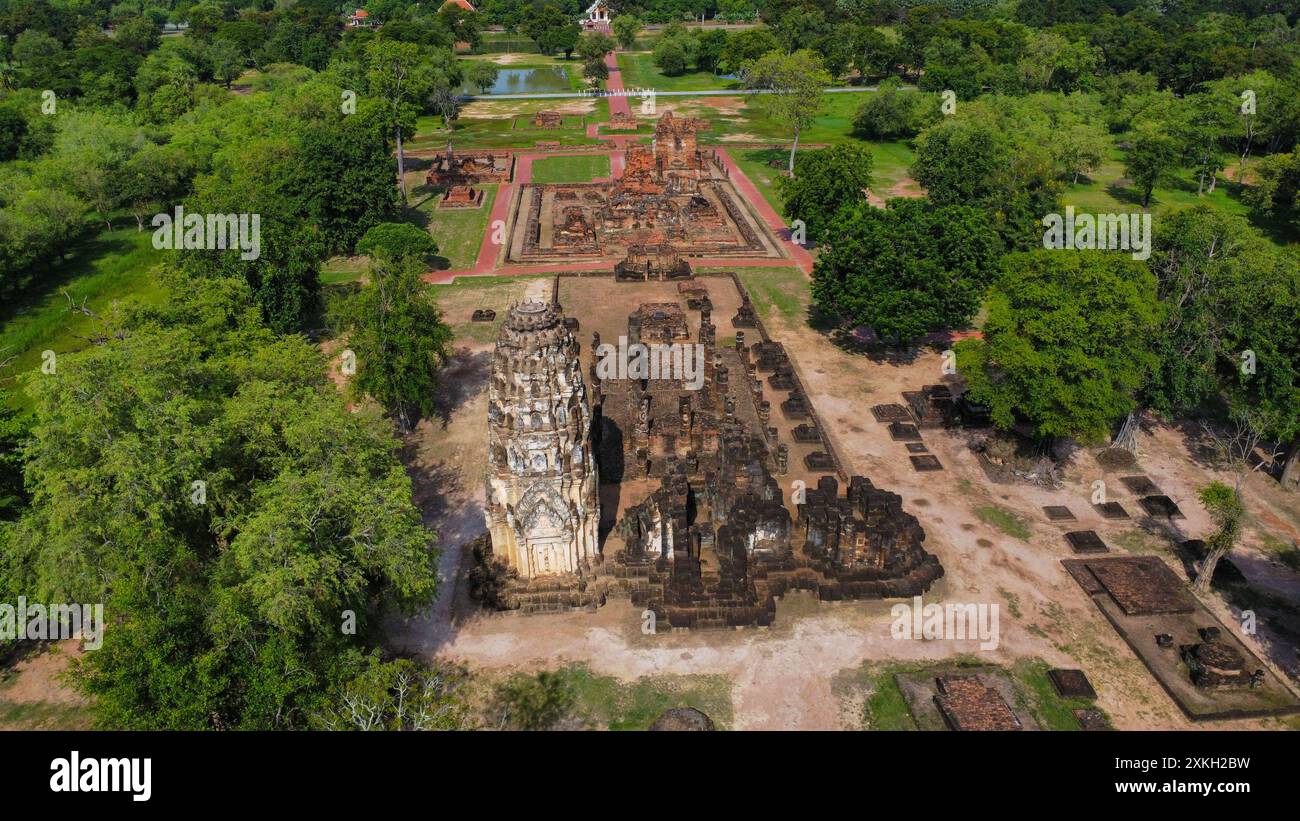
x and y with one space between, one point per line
360 19
596 17
464 4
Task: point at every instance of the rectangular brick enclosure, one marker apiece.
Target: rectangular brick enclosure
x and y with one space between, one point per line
1143 585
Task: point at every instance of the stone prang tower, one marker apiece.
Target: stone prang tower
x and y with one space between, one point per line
543 508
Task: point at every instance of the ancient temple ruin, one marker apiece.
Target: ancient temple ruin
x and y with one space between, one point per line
704 530
542 505
672 197
462 168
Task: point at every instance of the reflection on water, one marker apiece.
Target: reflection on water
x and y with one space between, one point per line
524 80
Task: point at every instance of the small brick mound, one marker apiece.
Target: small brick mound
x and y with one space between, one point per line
890 413
925 463
917 447
1071 684
1058 513
1142 585
1086 541
903 432
483 315
681 719
1091 720
806 433
818 460
1140 485
1161 506
968 704
1111 510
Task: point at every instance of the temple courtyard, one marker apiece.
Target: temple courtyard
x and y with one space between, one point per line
611 224
822 665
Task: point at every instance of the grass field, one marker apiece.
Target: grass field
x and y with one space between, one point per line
508 124
459 232
639 71
891 164
459 299
774 291
101 269
570 169
885 708
1004 520
607 702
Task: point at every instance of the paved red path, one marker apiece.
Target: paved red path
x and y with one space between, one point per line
618 104
756 199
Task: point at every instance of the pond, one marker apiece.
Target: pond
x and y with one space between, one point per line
525 80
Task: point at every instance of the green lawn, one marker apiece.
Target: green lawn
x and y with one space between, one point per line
459 299
885 708
777 290
833 123
608 702
507 124
891 163
101 269
458 231
1004 520
570 169
44 715
639 71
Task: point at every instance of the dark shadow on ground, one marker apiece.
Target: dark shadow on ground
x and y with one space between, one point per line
465 375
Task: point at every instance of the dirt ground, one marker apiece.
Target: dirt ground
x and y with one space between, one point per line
509 109
782 677
906 187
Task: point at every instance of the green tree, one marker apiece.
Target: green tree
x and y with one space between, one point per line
401 78
1152 157
991 154
670 56
483 74
229 599
401 694
226 60
892 113
1227 511
1078 148
397 241
552 29
1067 343
795 83
827 180
537 702
906 270
400 340
626 27
746 46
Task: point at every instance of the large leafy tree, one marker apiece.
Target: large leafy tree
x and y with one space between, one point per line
401 77
626 27
826 181
795 83
1213 271
909 269
317 178
993 154
201 476
1152 157
1067 344
396 330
